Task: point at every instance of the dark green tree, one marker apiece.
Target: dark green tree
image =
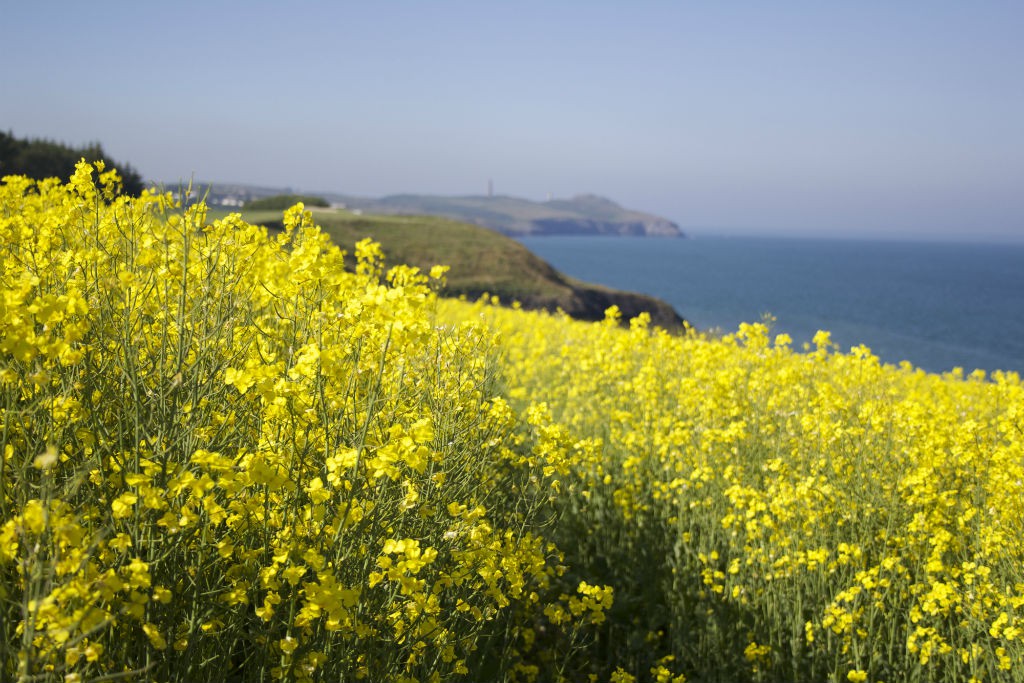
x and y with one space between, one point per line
38 158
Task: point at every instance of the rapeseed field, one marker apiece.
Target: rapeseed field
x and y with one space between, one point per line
232 455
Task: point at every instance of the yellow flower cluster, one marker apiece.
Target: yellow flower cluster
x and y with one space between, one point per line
775 514
226 456
232 454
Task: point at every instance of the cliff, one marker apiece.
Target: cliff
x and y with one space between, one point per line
482 262
517 217
586 214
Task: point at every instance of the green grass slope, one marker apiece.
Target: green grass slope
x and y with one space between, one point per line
481 261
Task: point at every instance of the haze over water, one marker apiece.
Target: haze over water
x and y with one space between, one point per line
870 119
938 305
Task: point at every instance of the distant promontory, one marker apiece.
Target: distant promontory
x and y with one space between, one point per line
581 215
514 216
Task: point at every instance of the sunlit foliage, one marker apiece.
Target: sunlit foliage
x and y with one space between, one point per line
226 457
769 514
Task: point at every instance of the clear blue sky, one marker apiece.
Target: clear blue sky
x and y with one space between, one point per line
828 118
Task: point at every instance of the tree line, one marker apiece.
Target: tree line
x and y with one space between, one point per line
40 158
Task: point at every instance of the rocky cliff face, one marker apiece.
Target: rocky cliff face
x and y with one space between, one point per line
594 301
588 302
590 214
582 226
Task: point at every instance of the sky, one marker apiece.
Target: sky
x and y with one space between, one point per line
831 119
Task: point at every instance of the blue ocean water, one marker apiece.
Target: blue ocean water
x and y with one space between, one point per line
937 305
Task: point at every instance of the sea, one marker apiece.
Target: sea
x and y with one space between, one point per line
939 306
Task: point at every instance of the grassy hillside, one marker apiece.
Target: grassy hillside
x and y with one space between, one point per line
481 261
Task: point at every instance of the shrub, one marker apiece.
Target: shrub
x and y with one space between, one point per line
280 202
